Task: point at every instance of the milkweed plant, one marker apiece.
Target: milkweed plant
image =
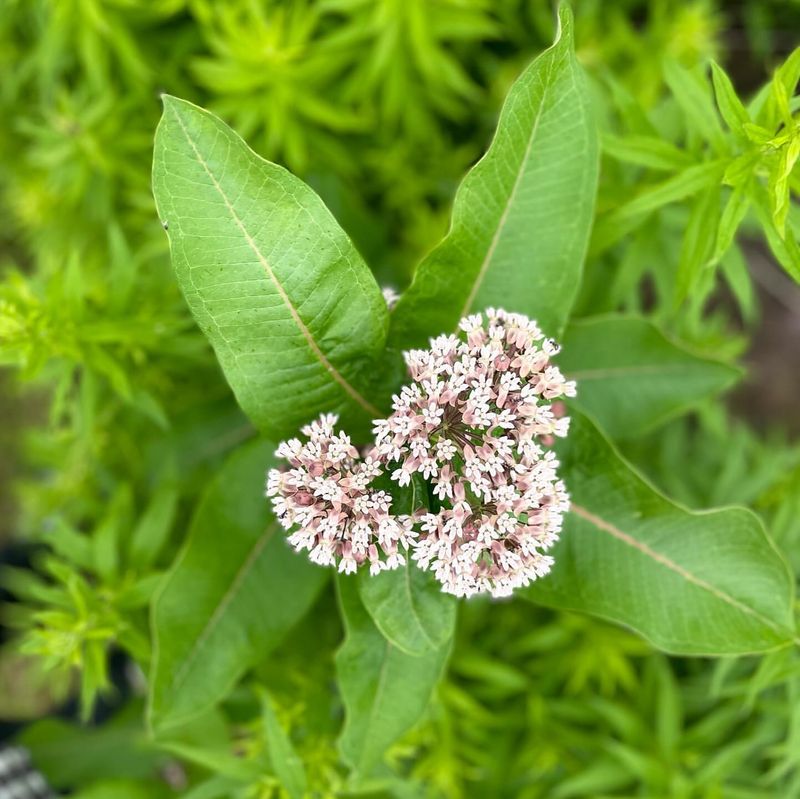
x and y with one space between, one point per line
504 521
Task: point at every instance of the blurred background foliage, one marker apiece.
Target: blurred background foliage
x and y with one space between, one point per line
116 414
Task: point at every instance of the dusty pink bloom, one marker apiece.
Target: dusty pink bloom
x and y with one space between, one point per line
476 421
325 497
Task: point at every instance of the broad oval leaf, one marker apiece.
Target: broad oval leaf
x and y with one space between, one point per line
522 216
295 317
385 690
234 591
631 377
708 583
409 608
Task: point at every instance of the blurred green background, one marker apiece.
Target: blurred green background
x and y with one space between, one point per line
381 105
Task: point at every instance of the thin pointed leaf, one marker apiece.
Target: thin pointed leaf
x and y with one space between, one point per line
730 106
284 759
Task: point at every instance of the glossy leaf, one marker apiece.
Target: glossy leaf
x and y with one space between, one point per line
631 377
522 216
693 583
232 594
295 316
385 690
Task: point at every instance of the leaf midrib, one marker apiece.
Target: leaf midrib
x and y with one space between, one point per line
301 326
416 615
504 216
221 607
670 564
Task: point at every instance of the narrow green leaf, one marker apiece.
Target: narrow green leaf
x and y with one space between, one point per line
693 96
295 316
522 216
408 607
732 216
106 539
698 242
784 248
730 106
285 762
232 594
77 547
217 787
645 151
611 227
688 182
739 171
221 762
779 182
385 691
631 377
734 270
153 528
707 583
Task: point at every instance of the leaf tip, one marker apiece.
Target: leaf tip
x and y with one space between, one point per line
564 28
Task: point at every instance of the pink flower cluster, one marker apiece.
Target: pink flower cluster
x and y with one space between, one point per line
326 494
476 422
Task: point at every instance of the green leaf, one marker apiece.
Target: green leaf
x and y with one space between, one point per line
732 216
285 762
698 242
631 377
734 270
645 151
611 227
107 537
693 96
385 691
72 754
730 106
784 248
295 316
152 530
779 182
408 607
522 216
692 583
407 604
233 593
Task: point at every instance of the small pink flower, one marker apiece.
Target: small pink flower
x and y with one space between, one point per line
326 500
480 412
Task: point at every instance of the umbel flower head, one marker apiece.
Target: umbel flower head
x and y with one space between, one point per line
326 494
477 422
